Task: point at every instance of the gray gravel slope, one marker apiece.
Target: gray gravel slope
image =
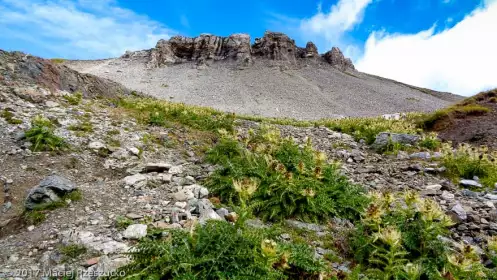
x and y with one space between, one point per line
268 89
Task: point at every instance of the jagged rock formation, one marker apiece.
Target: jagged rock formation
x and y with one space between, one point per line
336 58
272 46
180 49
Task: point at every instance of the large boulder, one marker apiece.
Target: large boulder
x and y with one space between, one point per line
383 139
336 58
49 190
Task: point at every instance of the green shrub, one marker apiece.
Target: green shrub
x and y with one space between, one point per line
493 100
430 141
41 135
9 117
278 180
74 99
220 250
123 222
466 162
399 237
158 112
369 128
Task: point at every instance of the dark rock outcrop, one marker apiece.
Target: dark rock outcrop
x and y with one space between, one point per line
272 46
50 189
275 46
205 47
336 58
17 68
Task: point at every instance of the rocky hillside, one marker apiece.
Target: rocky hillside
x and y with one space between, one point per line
88 173
272 77
472 120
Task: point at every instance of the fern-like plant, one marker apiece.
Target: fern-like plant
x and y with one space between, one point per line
290 182
220 250
41 135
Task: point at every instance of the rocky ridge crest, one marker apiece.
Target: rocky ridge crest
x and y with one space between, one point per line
274 46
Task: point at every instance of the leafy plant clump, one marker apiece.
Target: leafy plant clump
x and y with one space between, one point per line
162 113
9 117
277 179
466 161
74 99
41 135
220 250
399 237
369 128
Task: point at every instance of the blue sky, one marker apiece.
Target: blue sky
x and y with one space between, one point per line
431 43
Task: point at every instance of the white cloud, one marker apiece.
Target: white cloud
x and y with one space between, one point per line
461 59
332 25
78 29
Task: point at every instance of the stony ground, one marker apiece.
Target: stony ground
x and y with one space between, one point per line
137 181
267 88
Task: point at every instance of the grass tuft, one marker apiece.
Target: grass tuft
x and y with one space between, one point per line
9 117
74 99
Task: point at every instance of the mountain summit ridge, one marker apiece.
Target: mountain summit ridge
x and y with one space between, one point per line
207 47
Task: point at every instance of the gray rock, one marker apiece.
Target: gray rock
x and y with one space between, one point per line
183 195
96 145
135 231
459 210
222 212
383 139
420 155
137 180
206 211
50 189
447 195
469 193
491 196
470 183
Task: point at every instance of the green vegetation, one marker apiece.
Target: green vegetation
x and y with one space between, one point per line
41 135
430 142
277 179
461 110
162 113
493 100
220 250
466 162
72 251
84 126
38 214
9 117
123 222
399 238
74 99
57 60
34 217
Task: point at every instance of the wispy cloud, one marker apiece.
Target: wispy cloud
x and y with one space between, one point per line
328 27
461 59
78 29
